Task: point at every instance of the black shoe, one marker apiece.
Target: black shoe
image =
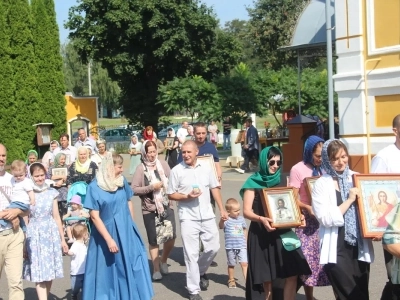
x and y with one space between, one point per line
214 264
195 297
204 282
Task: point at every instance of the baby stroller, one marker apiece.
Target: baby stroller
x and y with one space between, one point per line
77 189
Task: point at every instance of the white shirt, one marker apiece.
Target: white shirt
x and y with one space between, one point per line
6 186
87 142
20 190
181 134
70 152
78 260
324 204
386 161
182 179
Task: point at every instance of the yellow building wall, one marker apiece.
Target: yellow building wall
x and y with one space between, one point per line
82 107
386 108
386 20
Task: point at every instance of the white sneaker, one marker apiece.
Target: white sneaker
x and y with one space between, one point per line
164 268
239 170
157 276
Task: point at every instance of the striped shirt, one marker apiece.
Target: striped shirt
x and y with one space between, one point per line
234 233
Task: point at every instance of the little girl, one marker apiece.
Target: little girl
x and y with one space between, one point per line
22 190
78 253
75 211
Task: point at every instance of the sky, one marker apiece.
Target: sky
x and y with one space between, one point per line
226 10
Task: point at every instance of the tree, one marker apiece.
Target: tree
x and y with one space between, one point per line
76 79
238 98
50 79
145 43
192 94
270 27
19 105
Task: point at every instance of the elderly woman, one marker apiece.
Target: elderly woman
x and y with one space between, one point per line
116 266
83 169
309 235
31 157
48 157
268 259
345 254
101 152
134 150
150 183
59 182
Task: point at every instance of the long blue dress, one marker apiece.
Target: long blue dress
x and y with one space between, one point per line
123 275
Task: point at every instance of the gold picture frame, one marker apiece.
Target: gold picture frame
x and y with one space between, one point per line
280 205
240 136
379 195
169 142
209 160
309 185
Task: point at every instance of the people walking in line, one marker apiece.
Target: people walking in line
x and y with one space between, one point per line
190 184
150 183
235 240
309 236
268 258
116 266
345 254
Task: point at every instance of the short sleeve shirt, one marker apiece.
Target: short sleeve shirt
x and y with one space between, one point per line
234 233
206 149
6 186
297 174
20 190
78 260
182 179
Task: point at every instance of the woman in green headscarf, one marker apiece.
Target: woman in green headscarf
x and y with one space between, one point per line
31 157
59 182
268 259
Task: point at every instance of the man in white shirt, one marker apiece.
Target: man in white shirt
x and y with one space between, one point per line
69 151
190 183
84 140
182 133
11 239
385 161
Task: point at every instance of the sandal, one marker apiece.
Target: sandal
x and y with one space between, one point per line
231 284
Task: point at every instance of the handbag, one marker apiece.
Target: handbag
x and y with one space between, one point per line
164 230
290 240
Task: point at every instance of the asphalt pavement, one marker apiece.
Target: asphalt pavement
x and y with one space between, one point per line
172 286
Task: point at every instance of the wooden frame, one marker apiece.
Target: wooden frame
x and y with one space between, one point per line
286 217
209 160
240 136
169 142
379 194
59 172
309 185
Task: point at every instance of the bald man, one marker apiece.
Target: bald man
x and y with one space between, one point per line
11 236
190 183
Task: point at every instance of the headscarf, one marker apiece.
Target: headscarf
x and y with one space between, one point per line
159 196
105 176
132 145
308 153
38 188
262 179
173 132
146 136
82 167
57 160
29 153
54 142
351 226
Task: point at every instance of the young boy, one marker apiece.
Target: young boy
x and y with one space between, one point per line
78 253
75 211
22 190
235 240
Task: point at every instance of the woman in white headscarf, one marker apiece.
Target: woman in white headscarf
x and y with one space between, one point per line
117 266
83 169
134 151
150 183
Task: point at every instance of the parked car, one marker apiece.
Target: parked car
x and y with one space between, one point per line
117 136
162 134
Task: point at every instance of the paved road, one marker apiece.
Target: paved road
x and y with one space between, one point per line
173 285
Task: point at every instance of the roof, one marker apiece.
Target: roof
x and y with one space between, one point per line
300 119
310 30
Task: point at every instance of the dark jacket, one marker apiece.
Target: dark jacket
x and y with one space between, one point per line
252 138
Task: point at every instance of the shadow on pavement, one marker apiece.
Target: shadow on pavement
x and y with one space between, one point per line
170 280
30 293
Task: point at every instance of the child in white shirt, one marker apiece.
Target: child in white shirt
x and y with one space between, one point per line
235 240
78 253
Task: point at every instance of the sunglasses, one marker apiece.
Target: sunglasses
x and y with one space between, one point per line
272 162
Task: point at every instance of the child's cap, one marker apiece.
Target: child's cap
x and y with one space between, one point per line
76 199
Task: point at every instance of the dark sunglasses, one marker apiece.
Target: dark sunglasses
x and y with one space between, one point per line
272 162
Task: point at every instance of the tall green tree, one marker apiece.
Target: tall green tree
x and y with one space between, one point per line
50 79
270 27
145 43
20 105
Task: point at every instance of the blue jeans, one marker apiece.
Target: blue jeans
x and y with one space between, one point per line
227 141
76 284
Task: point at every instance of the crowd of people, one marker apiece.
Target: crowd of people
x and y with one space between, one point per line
326 249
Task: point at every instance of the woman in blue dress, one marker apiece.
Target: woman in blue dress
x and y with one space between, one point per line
116 265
